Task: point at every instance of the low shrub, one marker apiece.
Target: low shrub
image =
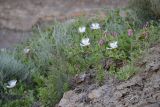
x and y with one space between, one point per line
11 68
155 7
146 9
127 71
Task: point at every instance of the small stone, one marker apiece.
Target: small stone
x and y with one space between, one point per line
80 78
117 94
95 94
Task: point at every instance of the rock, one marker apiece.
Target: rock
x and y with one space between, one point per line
118 94
95 94
70 98
83 79
151 105
152 59
130 82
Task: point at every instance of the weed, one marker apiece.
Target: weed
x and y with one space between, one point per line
127 71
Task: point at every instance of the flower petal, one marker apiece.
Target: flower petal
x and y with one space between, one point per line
11 84
26 50
85 42
113 45
95 26
82 29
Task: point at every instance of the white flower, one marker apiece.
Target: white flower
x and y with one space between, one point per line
3 49
82 29
113 45
11 84
26 50
95 26
85 42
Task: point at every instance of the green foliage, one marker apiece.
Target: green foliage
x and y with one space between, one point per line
115 22
146 9
100 75
11 68
126 72
18 103
142 8
154 33
155 7
55 84
20 96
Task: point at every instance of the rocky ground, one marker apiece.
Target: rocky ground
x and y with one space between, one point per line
142 90
17 17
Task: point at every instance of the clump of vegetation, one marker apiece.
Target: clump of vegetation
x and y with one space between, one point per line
11 68
155 7
146 9
127 71
54 55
